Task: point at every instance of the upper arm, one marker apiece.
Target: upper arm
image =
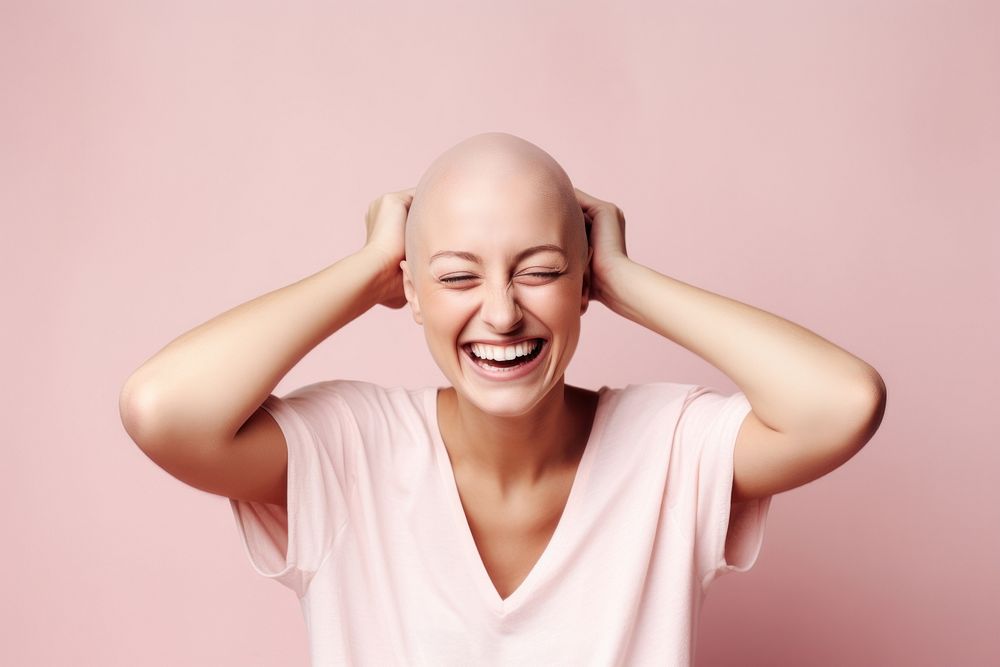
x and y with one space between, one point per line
252 466
766 461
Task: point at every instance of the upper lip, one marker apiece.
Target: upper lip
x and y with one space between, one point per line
502 342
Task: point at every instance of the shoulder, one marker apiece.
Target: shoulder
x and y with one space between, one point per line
349 390
359 397
653 399
693 411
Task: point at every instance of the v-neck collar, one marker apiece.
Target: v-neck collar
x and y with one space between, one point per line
554 549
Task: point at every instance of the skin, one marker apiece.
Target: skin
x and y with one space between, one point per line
495 195
814 405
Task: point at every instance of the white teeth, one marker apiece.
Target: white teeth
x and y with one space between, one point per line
508 352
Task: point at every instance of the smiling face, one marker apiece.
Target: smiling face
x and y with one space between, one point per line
497 253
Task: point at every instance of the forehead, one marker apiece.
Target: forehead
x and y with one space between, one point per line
513 210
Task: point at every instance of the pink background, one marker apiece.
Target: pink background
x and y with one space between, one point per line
835 163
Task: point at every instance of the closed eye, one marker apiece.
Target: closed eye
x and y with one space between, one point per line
545 274
455 279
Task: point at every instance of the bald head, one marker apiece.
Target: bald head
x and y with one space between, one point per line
481 166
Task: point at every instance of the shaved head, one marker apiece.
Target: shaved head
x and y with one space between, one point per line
527 178
496 250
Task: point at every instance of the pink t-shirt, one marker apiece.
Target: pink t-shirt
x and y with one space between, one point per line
380 553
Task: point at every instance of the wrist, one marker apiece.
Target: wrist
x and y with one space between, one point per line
616 277
384 271
379 260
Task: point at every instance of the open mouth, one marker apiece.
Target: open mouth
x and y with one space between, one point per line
495 365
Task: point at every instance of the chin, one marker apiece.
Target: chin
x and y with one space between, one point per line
514 406
514 400
499 398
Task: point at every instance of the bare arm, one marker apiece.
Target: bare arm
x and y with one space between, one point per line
204 385
814 404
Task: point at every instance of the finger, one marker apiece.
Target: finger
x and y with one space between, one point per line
587 202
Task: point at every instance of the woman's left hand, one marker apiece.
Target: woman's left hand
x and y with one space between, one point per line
606 234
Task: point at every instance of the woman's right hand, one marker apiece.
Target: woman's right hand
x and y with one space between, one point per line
386 224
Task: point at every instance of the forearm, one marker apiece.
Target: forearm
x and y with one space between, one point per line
794 379
206 383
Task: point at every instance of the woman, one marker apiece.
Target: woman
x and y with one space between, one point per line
508 518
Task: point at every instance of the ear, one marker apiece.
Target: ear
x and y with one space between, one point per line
411 293
585 292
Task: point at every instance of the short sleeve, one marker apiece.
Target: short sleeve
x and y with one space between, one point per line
290 544
710 423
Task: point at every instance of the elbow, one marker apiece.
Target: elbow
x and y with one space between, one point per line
134 408
867 409
873 396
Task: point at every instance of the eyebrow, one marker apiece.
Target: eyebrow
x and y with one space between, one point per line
472 257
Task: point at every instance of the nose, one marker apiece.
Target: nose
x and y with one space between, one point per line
500 309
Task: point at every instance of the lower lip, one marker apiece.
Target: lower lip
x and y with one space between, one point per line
506 374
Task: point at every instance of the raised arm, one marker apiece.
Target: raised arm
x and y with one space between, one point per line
186 405
814 405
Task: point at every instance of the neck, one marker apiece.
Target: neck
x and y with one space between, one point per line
516 451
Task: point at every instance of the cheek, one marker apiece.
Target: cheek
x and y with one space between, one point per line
555 300
445 315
